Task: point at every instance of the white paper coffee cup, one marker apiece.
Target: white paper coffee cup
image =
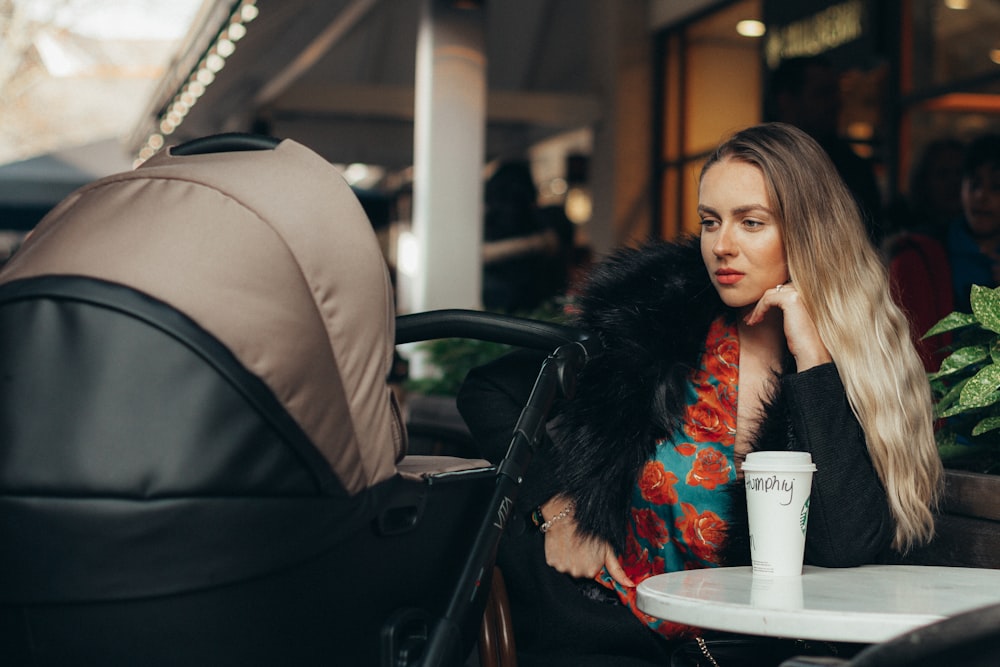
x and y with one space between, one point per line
778 485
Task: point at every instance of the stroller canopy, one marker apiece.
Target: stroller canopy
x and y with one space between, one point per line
248 250
200 453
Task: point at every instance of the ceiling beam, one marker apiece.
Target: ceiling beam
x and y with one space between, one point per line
561 110
286 38
304 61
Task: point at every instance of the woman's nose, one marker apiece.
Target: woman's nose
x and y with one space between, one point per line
724 242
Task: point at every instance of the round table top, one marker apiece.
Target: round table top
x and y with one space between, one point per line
865 604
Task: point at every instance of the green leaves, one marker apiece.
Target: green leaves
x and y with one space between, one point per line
951 322
988 424
966 388
981 390
962 360
986 307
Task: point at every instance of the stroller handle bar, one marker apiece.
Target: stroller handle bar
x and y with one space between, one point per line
491 327
569 351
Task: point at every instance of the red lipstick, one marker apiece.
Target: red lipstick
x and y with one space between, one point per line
728 276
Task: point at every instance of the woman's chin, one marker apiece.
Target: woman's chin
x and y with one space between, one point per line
737 301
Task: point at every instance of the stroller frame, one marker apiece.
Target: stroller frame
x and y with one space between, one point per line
556 379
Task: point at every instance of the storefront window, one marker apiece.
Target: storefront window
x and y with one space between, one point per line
954 41
950 75
711 86
912 74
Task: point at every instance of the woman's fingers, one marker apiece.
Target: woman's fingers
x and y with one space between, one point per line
614 568
771 298
582 557
570 553
800 331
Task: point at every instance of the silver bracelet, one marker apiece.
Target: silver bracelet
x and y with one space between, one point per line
565 512
704 651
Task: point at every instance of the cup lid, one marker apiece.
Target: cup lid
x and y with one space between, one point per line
779 460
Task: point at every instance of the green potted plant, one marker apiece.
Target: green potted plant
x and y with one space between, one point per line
451 358
433 421
966 388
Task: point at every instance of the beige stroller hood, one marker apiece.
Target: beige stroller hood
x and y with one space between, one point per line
200 455
247 249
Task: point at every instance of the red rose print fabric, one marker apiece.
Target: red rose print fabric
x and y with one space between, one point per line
678 517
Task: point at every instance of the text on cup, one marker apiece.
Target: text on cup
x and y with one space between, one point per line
783 486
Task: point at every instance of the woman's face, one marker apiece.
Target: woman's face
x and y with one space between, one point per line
981 203
740 235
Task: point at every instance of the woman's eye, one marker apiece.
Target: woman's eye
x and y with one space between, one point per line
753 224
705 222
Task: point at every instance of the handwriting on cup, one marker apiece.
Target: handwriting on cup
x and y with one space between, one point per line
783 486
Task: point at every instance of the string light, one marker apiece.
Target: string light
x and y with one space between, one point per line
235 32
751 28
204 76
225 47
222 47
249 11
214 63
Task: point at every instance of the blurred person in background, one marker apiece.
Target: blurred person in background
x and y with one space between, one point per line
527 249
918 261
934 267
935 189
974 240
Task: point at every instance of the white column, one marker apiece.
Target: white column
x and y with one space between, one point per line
449 151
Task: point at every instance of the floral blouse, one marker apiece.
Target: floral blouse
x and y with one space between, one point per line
678 506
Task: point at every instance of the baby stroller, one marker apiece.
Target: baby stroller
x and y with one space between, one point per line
201 461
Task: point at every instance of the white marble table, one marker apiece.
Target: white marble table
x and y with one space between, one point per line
865 604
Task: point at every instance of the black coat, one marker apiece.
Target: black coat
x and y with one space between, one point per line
651 308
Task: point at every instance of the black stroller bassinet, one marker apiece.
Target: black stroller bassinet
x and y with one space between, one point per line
201 462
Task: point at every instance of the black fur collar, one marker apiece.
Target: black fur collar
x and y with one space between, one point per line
651 307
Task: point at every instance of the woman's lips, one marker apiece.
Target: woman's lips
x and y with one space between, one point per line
728 277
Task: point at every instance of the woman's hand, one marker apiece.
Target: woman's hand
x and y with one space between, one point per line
800 331
581 556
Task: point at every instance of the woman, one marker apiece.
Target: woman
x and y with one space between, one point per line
774 330
974 241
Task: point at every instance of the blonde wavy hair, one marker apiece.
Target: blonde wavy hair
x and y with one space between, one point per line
844 285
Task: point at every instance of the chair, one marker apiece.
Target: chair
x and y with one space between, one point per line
497 647
201 461
969 639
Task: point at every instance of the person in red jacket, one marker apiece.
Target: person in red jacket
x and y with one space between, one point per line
932 270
